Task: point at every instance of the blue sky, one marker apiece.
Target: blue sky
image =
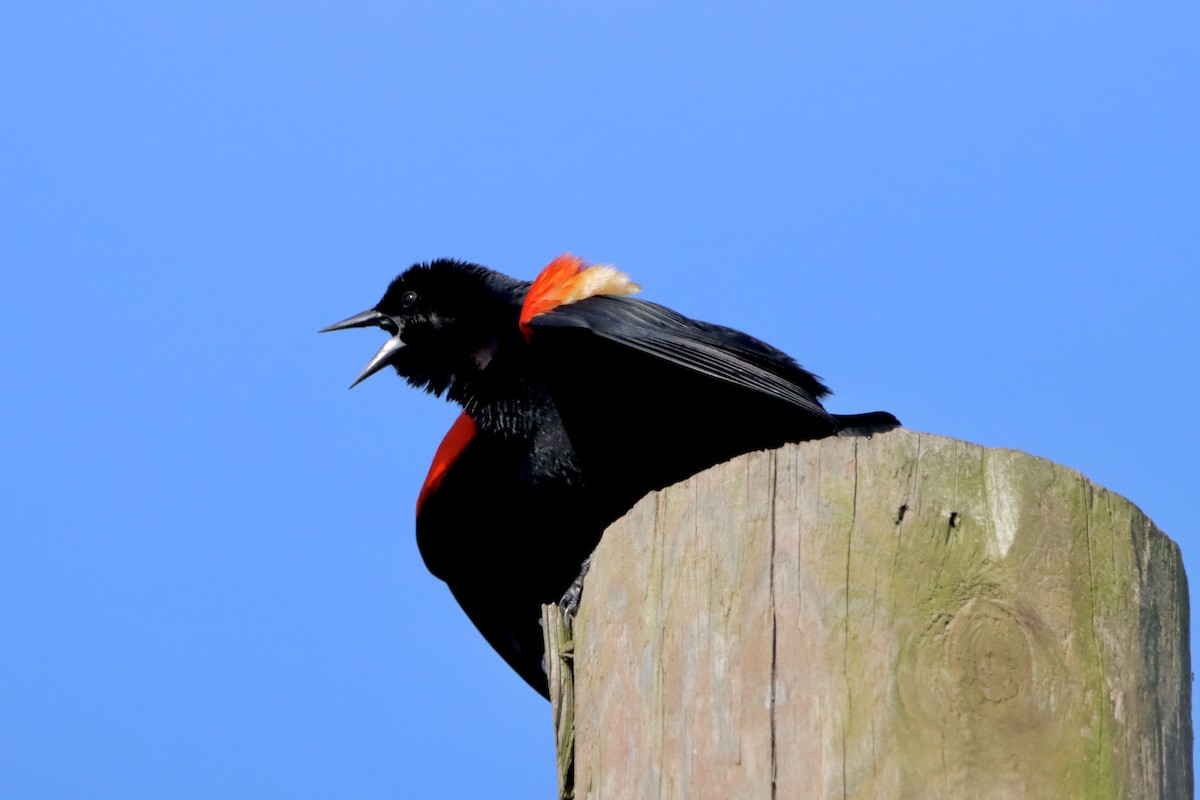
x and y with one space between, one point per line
982 217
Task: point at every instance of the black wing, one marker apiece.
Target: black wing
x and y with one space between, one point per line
650 397
714 351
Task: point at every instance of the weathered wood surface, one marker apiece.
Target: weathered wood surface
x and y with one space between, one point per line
560 673
906 616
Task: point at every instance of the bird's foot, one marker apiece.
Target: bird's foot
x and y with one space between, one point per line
569 602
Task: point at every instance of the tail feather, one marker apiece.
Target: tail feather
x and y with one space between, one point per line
865 424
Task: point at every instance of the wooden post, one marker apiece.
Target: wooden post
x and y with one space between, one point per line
906 616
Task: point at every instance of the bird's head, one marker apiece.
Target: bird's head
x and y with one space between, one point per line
447 319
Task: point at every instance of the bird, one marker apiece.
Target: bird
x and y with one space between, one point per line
577 400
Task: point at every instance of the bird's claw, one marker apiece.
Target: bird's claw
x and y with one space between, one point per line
568 604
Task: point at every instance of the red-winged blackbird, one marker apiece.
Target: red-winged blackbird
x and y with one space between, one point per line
577 401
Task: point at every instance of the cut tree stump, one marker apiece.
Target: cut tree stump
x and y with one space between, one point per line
907 616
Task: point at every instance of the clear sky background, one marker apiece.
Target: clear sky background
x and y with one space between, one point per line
984 217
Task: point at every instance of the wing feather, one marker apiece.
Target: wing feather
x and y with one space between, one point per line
718 352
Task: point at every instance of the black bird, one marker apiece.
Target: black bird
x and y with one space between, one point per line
577 401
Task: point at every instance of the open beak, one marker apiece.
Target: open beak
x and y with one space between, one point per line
366 319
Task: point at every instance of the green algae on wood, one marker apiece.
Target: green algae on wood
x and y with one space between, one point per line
902 616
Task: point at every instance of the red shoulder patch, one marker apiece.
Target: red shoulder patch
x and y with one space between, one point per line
568 279
459 436
550 286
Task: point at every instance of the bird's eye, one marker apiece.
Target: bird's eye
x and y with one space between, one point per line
408 299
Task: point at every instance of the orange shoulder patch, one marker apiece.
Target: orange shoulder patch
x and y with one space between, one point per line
459 436
567 280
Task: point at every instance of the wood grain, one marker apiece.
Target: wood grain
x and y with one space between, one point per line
907 616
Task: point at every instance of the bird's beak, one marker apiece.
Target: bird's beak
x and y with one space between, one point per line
365 320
